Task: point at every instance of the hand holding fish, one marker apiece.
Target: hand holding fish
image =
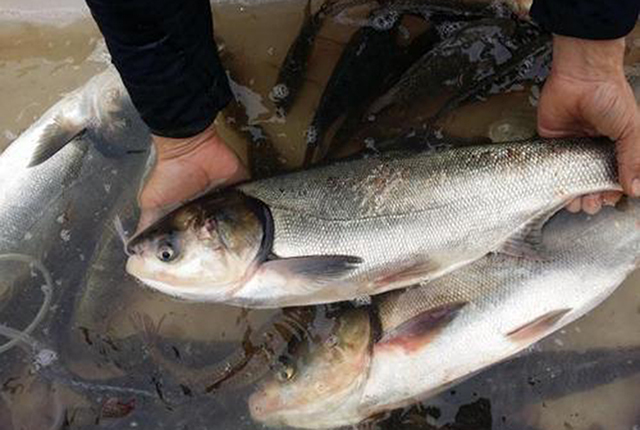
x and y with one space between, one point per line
184 169
587 94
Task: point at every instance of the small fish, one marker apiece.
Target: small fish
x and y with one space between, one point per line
433 336
366 226
294 66
467 56
362 69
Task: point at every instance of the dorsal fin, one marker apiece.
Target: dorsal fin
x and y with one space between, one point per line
54 137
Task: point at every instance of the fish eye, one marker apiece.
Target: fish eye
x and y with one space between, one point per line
166 252
286 373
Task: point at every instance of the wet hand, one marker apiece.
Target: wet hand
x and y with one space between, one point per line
588 94
184 169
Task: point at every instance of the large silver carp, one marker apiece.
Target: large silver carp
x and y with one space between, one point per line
366 226
40 169
434 336
59 182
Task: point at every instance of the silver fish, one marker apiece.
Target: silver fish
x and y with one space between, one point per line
436 335
334 229
39 167
363 227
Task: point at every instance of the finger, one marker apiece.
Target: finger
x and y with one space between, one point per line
147 217
610 198
628 154
592 203
574 205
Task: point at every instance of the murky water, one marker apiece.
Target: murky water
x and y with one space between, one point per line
105 377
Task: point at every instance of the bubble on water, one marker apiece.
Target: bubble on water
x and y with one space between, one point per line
65 235
44 358
279 92
312 134
447 29
384 20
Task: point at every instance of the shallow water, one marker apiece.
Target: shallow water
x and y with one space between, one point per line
90 325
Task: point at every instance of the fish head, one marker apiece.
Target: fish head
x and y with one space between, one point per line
202 250
319 378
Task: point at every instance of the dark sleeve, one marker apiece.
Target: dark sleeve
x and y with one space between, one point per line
167 58
587 19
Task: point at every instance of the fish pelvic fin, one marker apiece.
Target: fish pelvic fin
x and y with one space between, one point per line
55 136
412 334
533 330
408 273
315 272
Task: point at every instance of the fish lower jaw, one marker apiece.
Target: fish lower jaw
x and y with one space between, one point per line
196 294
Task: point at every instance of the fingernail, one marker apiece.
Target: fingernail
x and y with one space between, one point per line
635 187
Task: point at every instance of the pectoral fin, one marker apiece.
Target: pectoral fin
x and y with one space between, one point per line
538 327
421 329
315 271
527 241
54 137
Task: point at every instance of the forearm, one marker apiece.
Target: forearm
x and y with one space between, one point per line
587 19
167 58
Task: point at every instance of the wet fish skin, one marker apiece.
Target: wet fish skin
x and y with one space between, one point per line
437 335
331 233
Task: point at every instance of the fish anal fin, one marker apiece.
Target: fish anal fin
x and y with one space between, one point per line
409 273
54 137
315 271
533 330
527 241
421 329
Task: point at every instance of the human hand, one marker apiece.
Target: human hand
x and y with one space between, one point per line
185 168
588 94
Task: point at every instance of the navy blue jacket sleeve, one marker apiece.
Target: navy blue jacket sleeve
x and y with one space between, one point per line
167 58
587 19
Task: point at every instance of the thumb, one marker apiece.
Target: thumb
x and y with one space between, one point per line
628 155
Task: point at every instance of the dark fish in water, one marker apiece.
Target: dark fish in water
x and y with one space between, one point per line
538 46
434 336
362 69
482 44
404 59
294 66
481 58
366 226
